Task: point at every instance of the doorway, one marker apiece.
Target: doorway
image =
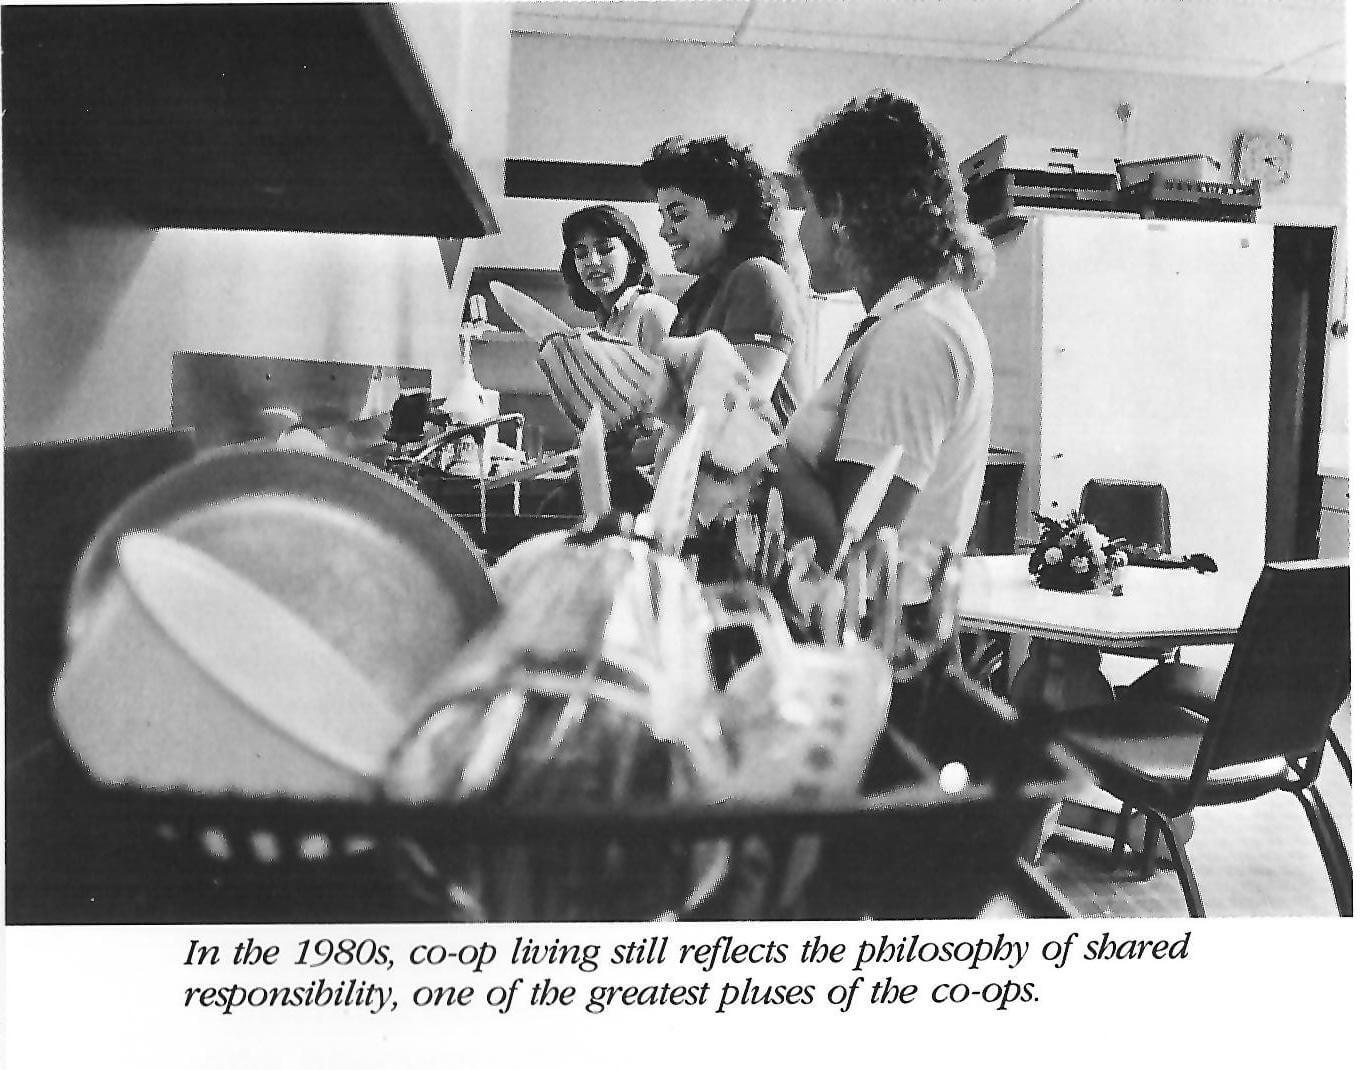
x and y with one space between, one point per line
1298 350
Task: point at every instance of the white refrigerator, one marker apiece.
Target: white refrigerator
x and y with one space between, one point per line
1137 349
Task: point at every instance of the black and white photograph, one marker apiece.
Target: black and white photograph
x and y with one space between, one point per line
876 467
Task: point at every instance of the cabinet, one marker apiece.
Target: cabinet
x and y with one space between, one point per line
293 117
1137 349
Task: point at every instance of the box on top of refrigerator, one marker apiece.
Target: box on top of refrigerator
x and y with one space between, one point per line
1195 167
1020 154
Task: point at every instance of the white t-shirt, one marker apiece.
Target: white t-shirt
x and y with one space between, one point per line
919 377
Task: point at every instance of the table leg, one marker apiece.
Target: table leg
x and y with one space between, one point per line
1059 676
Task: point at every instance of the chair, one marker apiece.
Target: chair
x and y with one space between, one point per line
1129 509
1196 687
1264 730
1138 512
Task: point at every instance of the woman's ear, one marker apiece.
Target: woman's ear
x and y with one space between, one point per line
840 233
836 218
845 254
729 219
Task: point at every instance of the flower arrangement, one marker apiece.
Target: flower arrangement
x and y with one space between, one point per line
1073 555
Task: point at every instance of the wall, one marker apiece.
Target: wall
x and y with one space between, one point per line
610 101
94 311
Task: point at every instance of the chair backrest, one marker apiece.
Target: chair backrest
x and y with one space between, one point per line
1129 509
1290 668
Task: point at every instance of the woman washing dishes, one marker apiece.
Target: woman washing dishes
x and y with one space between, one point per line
720 216
605 268
604 265
884 215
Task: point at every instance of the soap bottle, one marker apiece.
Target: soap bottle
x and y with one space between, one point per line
466 402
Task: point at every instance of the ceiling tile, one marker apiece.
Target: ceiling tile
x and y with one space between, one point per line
780 37
674 12
1101 59
1221 32
1326 65
1296 39
624 29
930 24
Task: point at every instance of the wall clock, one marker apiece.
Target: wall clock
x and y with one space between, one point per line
1264 156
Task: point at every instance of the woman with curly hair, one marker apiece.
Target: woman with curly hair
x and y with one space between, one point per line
884 215
720 216
605 269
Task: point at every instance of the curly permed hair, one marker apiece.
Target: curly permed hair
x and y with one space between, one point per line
902 205
727 178
604 221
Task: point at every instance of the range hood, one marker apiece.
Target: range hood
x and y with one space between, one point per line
294 117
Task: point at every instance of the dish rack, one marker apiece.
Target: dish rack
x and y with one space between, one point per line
909 849
495 520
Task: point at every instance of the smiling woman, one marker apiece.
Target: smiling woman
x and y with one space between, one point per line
720 217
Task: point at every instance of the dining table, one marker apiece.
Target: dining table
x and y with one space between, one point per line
1145 608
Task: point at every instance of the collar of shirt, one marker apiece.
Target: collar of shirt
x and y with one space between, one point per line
694 303
901 293
625 299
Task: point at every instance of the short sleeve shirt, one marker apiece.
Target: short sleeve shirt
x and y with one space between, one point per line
753 304
919 378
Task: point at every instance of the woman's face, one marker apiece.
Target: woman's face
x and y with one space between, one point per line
602 263
698 239
818 238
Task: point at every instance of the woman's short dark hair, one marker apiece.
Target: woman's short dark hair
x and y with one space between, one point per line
902 205
603 221
727 178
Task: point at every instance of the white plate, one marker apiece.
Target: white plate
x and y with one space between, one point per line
370 567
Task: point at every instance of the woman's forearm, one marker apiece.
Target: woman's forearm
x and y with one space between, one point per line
653 329
809 508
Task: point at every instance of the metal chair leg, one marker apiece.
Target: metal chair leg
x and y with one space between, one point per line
1149 848
1182 867
1120 834
1330 845
1342 757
